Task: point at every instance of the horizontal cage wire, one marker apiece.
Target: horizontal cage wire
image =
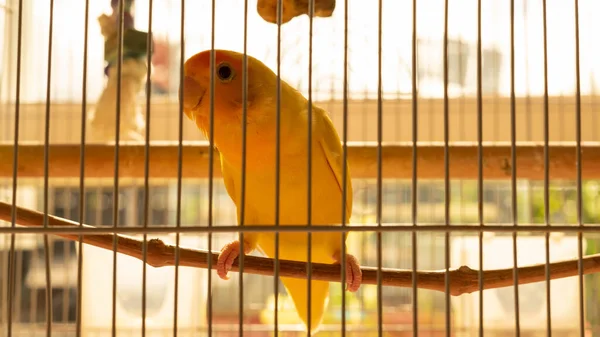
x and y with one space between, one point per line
299 167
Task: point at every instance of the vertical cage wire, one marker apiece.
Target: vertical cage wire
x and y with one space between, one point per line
147 170
344 172
115 217
82 154
179 166
279 15
446 174
210 162
546 171
311 11
579 200
243 178
11 256
480 166
379 172
277 164
47 250
414 184
513 174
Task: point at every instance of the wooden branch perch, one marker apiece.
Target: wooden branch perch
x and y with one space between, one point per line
463 280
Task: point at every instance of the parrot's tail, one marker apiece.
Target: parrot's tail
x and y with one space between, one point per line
298 290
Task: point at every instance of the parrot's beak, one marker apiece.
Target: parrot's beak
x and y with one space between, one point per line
192 94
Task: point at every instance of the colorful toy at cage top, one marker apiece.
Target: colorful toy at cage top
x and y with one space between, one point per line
102 118
267 9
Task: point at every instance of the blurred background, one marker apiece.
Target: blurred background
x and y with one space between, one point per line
328 67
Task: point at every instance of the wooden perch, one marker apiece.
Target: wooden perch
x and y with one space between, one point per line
64 160
463 280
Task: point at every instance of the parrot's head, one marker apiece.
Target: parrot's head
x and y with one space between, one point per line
228 86
228 102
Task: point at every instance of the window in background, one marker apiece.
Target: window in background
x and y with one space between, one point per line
328 46
158 205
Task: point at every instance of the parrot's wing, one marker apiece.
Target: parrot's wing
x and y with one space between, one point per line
229 183
332 147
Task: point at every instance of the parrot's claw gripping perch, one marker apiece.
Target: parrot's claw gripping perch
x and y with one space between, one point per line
353 272
228 254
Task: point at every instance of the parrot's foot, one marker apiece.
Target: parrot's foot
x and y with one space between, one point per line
228 254
353 272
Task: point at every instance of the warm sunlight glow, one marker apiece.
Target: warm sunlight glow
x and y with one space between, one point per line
328 45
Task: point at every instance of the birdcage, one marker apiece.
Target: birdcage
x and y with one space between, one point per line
469 130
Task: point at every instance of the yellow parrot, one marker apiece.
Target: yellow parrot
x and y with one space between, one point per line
327 168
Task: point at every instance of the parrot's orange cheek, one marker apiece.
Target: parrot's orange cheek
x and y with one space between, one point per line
193 93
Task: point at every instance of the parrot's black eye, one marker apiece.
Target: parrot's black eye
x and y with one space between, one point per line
224 72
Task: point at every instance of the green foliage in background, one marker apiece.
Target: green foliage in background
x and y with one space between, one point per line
563 205
562 209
